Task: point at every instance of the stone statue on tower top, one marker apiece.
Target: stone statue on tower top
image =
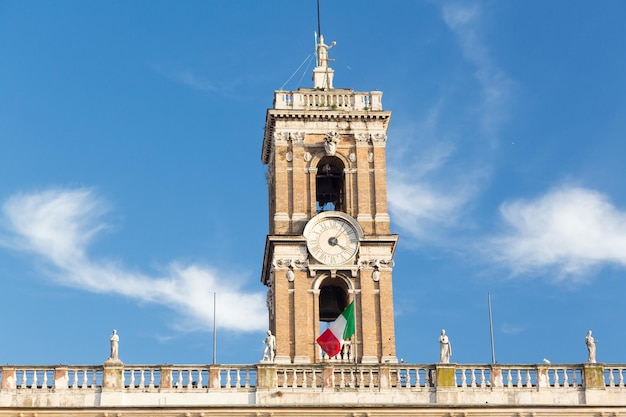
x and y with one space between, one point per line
323 74
322 52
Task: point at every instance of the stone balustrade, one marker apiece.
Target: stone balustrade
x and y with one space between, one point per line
269 383
336 99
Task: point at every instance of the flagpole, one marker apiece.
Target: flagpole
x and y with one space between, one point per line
214 331
493 350
356 343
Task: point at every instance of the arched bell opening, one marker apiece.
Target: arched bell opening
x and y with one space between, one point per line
333 299
330 184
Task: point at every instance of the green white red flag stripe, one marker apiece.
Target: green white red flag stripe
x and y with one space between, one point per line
341 329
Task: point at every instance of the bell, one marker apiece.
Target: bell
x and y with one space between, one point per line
332 302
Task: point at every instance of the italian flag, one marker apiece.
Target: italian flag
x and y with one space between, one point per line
341 329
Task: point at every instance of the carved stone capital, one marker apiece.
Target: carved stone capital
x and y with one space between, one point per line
296 137
281 138
362 137
291 264
370 263
378 138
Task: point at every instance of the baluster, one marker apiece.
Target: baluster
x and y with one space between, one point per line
482 378
529 382
314 379
509 377
151 382
44 383
519 378
34 382
74 379
352 378
228 379
342 380
565 378
285 378
304 383
463 378
132 379
611 379
200 381
176 377
371 382
621 377
84 383
294 382
556 378
360 379
473 378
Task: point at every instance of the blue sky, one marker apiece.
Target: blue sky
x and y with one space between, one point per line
132 187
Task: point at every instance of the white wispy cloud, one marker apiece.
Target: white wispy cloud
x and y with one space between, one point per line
443 173
566 232
190 79
186 77
465 20
59 224
421 199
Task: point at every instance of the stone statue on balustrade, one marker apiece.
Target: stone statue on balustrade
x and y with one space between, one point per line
445 348
591 347
270 347
114 340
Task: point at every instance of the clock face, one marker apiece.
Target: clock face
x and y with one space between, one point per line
332 240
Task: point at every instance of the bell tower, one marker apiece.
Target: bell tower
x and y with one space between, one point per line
329 241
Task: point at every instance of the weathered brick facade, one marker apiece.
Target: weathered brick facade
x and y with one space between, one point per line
294 151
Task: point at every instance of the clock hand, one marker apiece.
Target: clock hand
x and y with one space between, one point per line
341 232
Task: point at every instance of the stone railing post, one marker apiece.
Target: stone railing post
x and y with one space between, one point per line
328 376
8 379
594 384
60 378
113 375
444 375
593 376
214 377
542 377
384 377
496 377
166 377
266 376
